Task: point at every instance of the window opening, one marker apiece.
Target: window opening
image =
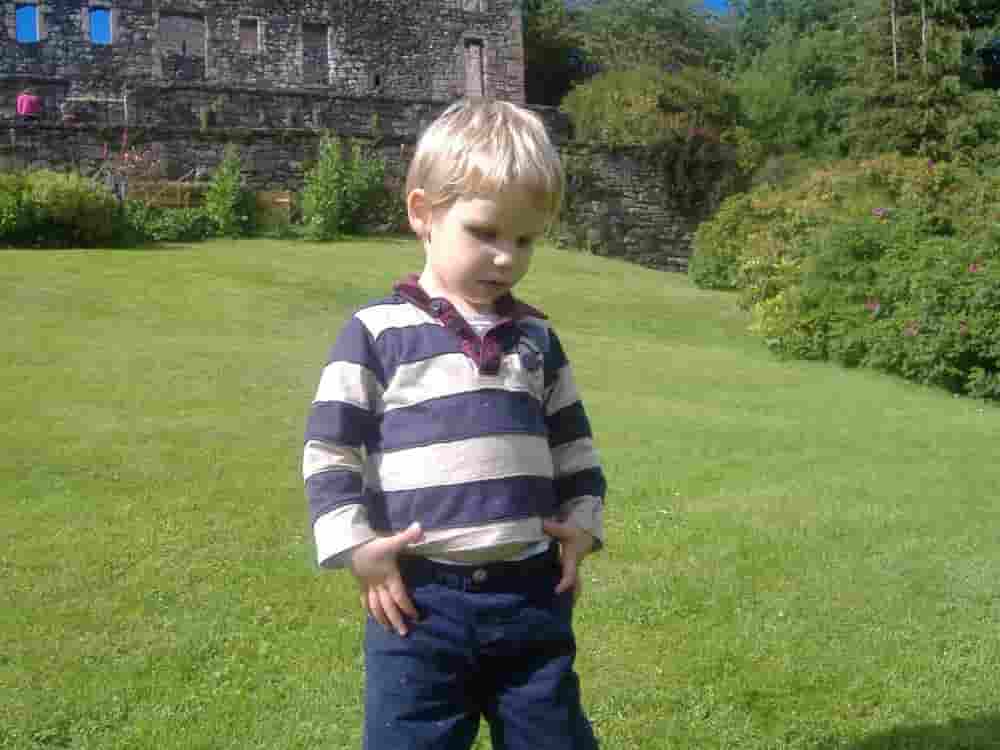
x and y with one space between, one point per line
249 35
27 23
100 25
315 53
474 84
182 42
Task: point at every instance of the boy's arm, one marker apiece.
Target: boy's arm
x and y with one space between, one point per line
341 423
579 480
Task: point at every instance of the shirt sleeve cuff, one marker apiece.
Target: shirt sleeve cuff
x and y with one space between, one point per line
587 512
340 531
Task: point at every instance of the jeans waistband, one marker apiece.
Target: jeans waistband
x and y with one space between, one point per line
497 576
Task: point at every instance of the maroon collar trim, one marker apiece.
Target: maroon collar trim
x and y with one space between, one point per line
507 306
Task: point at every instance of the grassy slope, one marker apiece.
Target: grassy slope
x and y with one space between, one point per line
799 556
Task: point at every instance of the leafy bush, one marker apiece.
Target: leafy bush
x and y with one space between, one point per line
343 194
168 224
939 120
56 209
646 105
227 204
911 286
16 217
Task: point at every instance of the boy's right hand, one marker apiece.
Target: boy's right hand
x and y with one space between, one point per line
383 593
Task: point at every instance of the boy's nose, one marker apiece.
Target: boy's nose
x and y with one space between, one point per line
503 257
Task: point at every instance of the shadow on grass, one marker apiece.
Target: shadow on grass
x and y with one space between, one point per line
978 733
137 248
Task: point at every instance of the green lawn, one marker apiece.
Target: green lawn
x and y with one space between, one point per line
799 556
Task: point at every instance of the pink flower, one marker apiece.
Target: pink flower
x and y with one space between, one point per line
976 266
880 213
873 306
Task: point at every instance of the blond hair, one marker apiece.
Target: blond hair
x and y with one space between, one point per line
483 147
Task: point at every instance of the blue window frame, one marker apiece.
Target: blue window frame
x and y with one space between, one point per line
100 25
27 23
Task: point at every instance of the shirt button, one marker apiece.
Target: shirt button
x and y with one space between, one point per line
479 575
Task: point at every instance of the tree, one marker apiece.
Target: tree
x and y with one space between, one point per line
665 34
761 19
647 105
967 15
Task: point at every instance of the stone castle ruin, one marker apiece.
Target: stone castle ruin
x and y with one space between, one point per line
186 77
118 62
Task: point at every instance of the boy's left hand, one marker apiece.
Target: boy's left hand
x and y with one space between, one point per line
574 544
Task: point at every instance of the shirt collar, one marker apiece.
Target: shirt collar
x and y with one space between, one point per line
507 306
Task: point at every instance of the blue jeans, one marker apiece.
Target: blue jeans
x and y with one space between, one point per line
493 641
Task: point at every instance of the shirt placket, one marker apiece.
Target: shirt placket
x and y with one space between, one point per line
485 352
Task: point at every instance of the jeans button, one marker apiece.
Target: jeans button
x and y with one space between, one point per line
479 576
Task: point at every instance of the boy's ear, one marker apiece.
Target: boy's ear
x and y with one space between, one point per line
419 211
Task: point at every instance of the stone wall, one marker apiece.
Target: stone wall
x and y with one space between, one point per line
643 204
273 158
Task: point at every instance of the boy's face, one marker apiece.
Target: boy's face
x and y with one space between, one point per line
477 248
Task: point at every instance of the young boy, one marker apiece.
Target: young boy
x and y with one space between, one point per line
447 448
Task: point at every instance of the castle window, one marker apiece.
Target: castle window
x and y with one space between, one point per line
250 35
474 84
183 45
99 18
315 53
28 28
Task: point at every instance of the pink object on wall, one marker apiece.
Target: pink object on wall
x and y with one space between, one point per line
28 104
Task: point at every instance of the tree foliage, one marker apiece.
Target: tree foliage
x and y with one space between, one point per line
647 105
796 92
665 34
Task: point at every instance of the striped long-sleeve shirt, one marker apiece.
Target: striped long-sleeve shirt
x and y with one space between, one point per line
417 418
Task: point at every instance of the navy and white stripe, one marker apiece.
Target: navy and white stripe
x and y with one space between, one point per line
406 426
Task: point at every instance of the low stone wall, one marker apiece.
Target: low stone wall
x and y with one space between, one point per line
641 205
273 158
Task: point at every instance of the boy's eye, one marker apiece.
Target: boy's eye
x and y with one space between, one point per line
483 233
525 242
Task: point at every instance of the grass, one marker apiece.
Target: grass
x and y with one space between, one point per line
799 556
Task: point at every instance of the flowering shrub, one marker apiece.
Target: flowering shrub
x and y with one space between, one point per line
942 324
909 285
